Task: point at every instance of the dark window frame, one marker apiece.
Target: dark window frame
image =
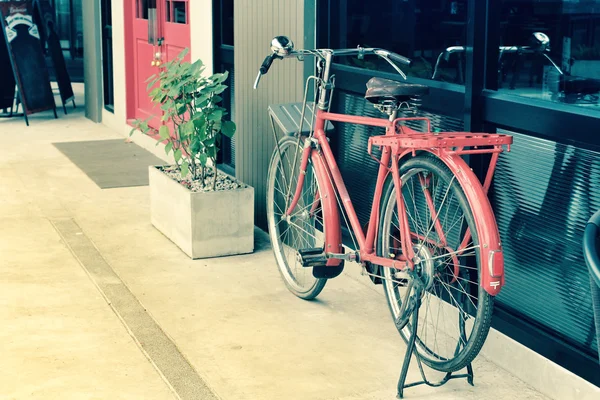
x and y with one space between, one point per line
107 56
223 58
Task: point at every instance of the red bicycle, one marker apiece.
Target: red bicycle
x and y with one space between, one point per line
431 239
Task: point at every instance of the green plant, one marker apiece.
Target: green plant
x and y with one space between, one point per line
193 121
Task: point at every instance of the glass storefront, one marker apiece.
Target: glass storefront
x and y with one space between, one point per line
69 26
550 50
527 66
407 28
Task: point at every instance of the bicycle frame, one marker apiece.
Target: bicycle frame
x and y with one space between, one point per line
448 147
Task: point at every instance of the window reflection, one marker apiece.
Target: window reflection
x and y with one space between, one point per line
418 29
176 12
180 12
567 70
227 22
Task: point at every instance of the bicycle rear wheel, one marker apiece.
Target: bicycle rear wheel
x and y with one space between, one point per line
303 228
455 311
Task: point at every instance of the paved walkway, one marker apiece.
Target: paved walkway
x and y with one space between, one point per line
97 304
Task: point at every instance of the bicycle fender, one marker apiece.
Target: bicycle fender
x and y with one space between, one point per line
490 251
331 214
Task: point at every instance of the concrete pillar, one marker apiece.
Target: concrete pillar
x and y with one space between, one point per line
92 59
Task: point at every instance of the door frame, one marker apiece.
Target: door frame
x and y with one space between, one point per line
129 61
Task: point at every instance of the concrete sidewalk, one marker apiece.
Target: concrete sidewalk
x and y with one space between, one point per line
97 304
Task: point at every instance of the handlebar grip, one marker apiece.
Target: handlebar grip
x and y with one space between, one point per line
264 68
400 59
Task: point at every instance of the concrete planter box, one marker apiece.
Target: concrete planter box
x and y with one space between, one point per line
202 224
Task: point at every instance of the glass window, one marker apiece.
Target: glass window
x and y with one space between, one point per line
107 55
177 12
227 22
419 29
541 192
142 9
551 50
69 26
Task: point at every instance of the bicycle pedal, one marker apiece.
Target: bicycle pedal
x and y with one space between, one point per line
312 257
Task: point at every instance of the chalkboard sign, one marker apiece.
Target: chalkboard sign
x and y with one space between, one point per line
44 18
27 59
7 81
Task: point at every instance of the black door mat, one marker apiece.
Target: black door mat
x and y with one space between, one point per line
111 163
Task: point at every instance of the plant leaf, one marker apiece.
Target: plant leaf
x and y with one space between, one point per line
195 146
163 132
219 89
216 115
184 169
177 155
228 128
203 159
188 128
152 77
153 80
168 147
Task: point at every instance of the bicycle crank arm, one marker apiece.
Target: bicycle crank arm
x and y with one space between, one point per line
346 257
313 257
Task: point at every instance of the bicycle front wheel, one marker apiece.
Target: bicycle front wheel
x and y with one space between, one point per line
455 311
304 227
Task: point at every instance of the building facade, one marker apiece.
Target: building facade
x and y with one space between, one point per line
489 70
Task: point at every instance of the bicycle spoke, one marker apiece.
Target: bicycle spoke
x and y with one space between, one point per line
455 252
448 289
452 298
437 214
300 229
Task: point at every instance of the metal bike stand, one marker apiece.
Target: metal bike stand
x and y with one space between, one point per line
410 350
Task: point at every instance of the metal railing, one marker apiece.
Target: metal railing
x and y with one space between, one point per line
591 247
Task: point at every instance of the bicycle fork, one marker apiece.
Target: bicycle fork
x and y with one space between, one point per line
327 201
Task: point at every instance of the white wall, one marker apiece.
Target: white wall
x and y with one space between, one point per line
201 20
201 48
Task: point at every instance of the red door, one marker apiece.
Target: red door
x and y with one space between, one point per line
176 28
160 29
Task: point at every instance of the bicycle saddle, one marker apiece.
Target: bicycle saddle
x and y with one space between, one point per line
379 89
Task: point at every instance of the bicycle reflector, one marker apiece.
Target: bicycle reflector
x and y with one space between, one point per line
496 263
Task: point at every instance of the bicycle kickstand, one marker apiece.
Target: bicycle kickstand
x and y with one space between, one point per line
410 350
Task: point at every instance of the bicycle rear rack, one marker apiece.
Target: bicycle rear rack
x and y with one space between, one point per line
452 142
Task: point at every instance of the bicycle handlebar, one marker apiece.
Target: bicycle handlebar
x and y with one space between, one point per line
590 249
327 54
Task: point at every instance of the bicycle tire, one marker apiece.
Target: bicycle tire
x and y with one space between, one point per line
436 267
301 230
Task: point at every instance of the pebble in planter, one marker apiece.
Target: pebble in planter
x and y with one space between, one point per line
205 212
